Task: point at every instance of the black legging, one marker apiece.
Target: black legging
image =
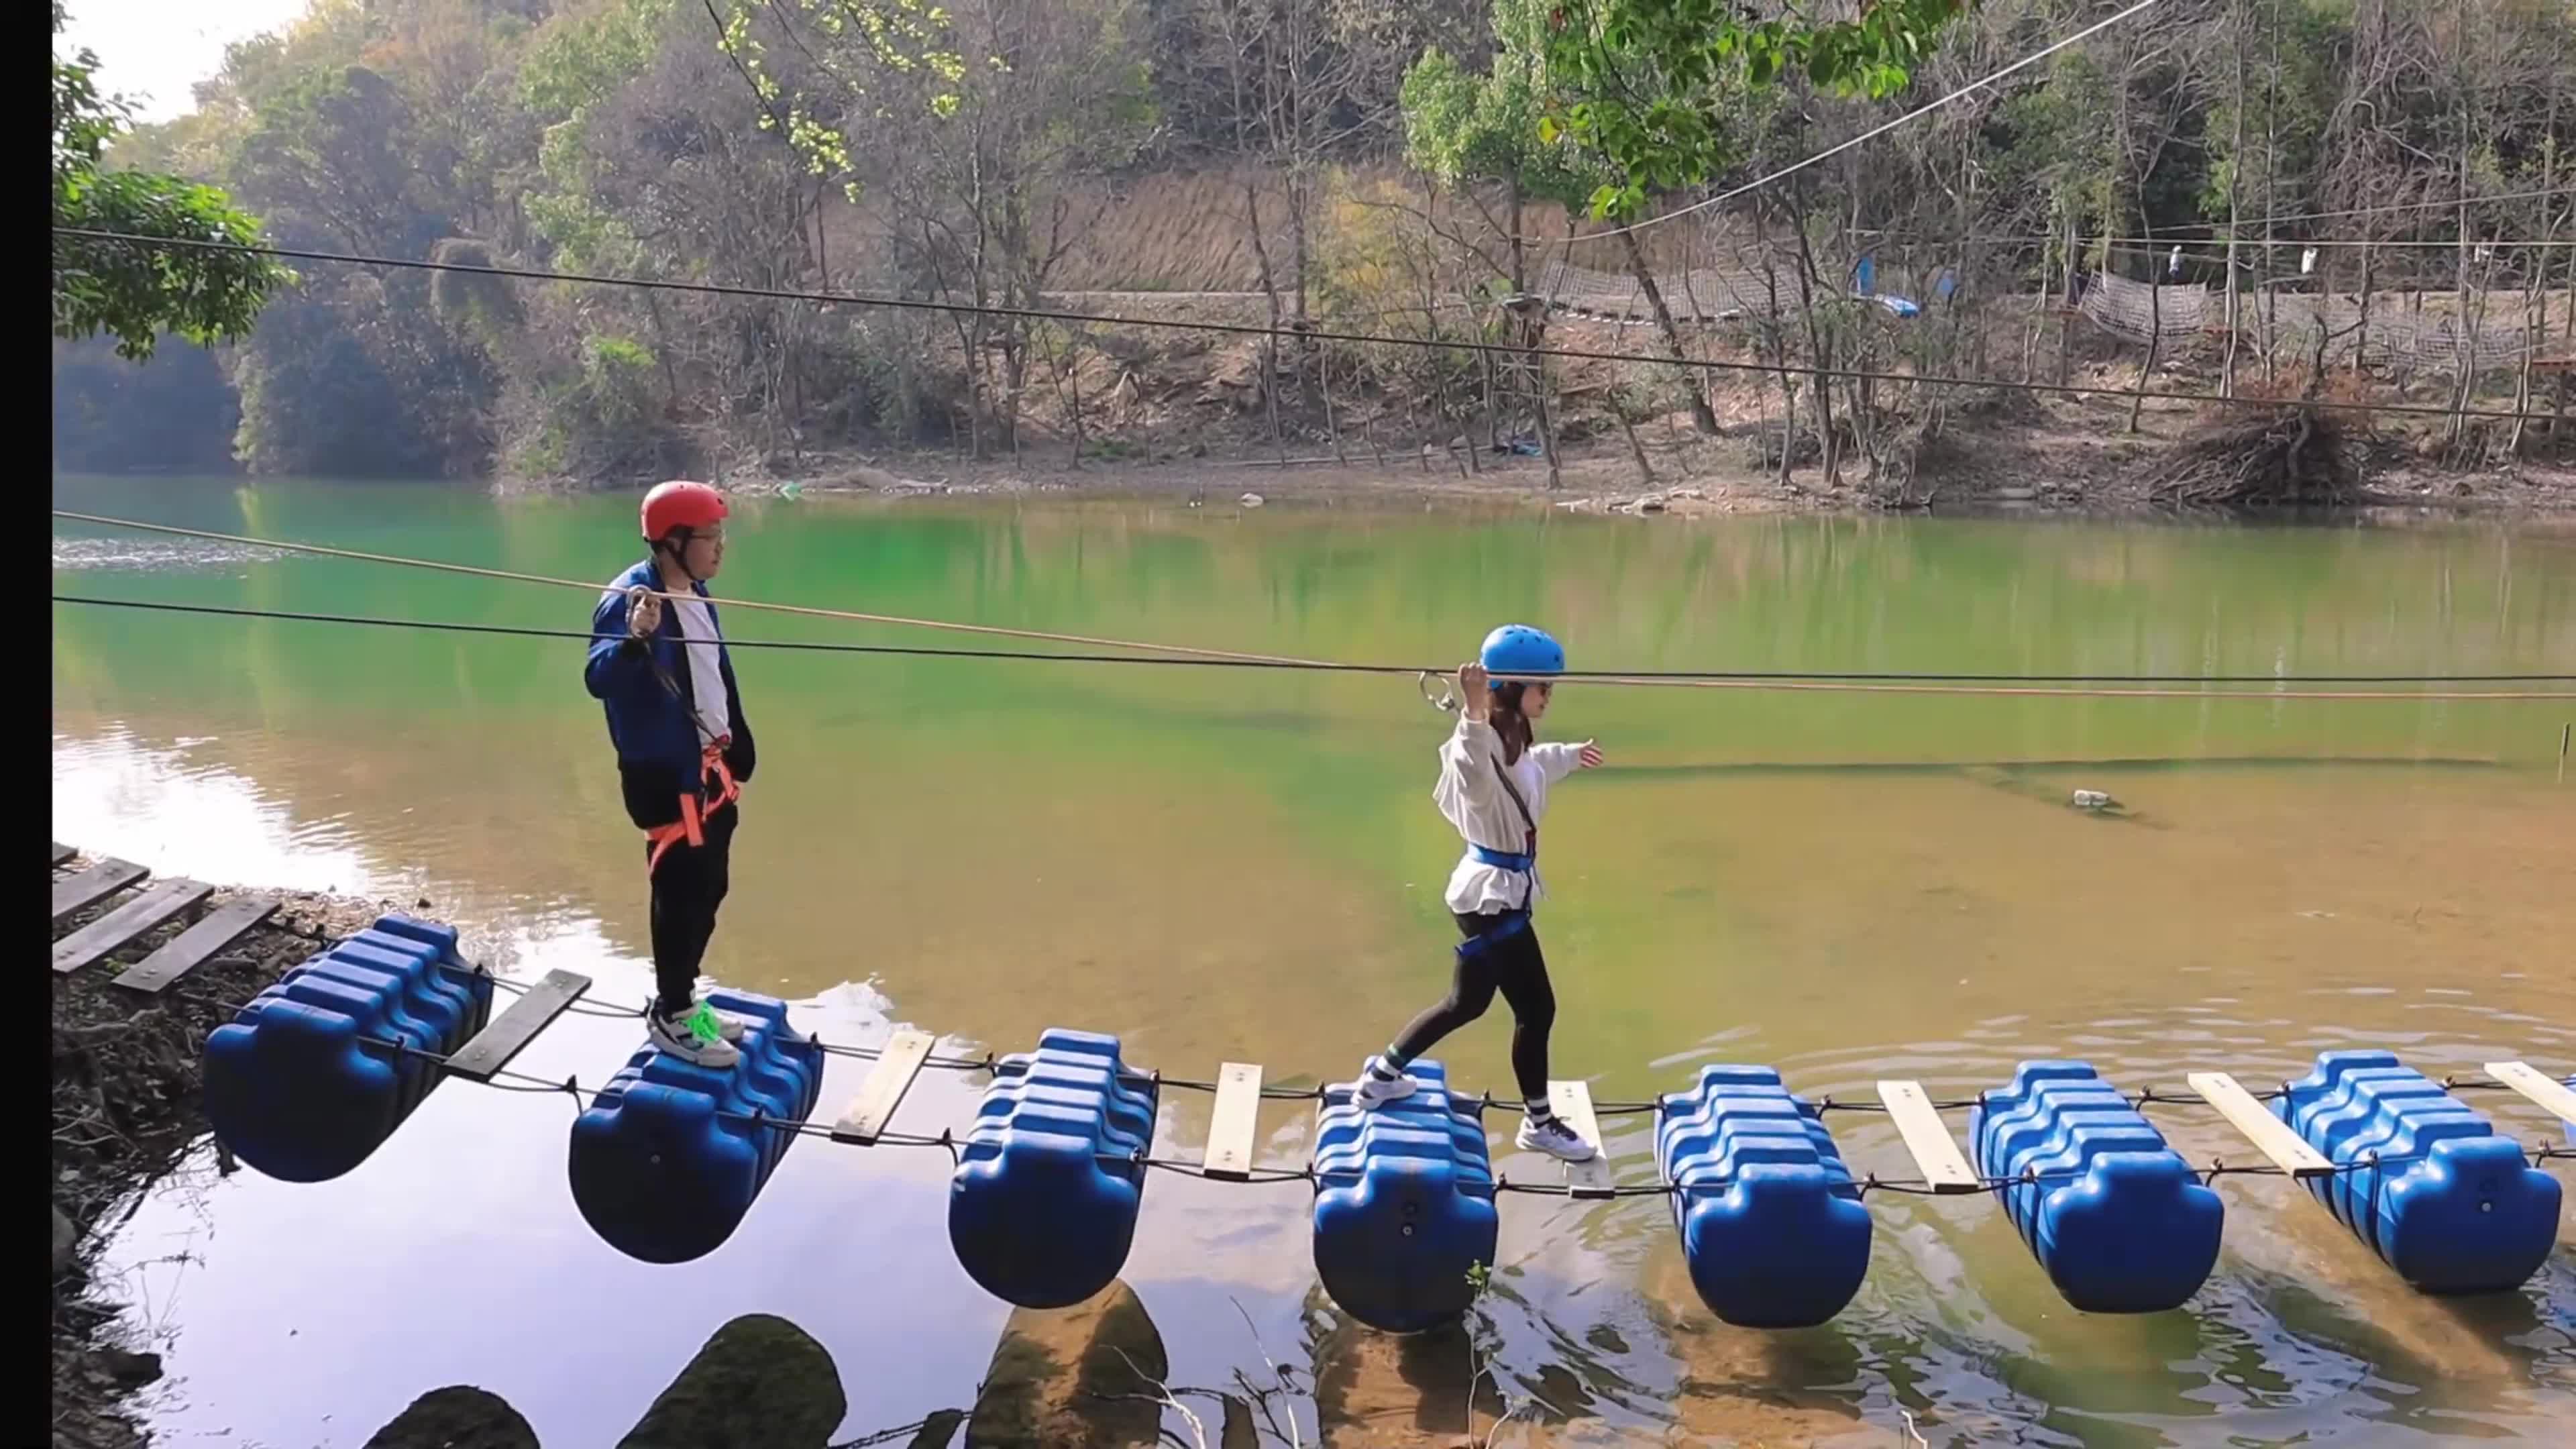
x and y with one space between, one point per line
688 885
1513 966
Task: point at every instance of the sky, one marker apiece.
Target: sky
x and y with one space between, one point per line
154 50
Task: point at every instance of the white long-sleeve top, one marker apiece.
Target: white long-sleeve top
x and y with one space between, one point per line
1471 797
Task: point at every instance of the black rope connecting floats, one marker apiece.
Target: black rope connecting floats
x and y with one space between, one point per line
1482 1103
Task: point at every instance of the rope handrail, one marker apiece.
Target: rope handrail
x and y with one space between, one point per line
1890 682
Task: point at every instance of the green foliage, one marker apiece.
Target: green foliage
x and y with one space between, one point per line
618 374
112 416
1645 82
134 292
1461 128
871 59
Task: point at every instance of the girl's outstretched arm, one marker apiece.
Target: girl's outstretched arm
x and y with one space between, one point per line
1559 761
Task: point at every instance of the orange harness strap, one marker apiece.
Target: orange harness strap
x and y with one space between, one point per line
695 807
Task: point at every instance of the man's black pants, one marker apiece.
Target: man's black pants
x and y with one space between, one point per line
688 886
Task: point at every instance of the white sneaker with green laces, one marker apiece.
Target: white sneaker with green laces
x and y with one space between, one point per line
701 1035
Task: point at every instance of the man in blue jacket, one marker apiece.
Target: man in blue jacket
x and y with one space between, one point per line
684 750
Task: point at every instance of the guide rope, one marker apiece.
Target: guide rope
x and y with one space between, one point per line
1880 682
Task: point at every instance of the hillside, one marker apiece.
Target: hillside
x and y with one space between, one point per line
1282 164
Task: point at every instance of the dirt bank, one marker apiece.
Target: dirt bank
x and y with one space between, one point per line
2051 455
126 1112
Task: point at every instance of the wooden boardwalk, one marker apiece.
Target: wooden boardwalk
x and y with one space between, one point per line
135 909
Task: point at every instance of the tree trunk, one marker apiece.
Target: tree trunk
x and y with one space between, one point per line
2535 304
1701 413
2468 368
2271 191
2235 187
1073 380
1538 399
2155 313
1645 470
1270 340
1817 355
1777 328
1520 250
1324 390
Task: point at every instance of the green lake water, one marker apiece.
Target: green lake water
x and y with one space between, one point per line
1222 864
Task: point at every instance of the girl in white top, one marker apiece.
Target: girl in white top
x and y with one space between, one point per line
1494 782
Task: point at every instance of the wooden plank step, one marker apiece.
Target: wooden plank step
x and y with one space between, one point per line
75 894
198 944
63 852
1572 1104
864 1121
2554 1097
509 1033
1232 1122
1936 1154
2270 1135
126 924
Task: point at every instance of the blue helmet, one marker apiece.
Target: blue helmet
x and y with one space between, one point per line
1520 649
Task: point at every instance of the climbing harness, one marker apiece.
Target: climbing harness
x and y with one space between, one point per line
1524 864
696 806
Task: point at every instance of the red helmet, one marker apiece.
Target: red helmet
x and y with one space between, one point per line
680 504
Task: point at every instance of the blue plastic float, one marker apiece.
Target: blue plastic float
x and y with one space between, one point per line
2432 1188
1772 1225
1404 1204
306 1082
2116 1217
1042 1209
668 1157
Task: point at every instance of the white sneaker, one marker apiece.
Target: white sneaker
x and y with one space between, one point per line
1555 1139
678 1036
1372 1091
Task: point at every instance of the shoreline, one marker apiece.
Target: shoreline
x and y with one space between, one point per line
2076 464
127 1113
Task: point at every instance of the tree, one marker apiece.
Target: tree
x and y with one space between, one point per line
1644 81
130 290
1462 129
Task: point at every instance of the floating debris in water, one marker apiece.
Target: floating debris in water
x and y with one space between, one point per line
2093 800
1251 500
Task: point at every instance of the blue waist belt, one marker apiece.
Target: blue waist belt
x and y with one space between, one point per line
1503 860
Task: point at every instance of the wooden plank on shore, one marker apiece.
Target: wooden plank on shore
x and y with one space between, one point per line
63 852
2554 1097
492 1048
1572 1104
2270 1135
1232 1122
128 923
198 944
75 894
864 1121
1936 1153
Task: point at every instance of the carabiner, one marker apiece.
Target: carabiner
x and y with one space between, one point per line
1446 701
